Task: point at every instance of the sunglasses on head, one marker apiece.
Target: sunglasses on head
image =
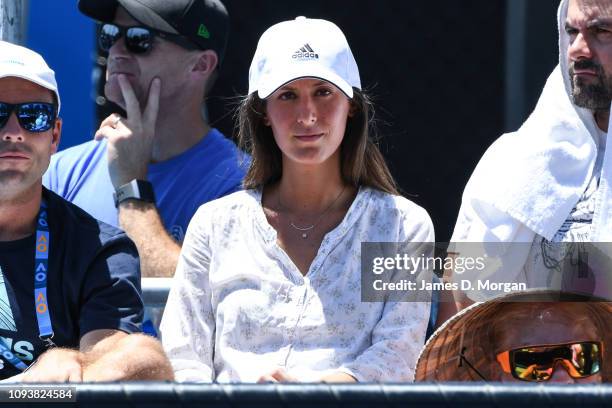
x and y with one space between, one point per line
32 116
537 363
138 40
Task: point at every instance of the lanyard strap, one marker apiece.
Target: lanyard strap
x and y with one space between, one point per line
41 261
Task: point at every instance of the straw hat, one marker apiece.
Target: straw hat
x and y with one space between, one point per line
470 330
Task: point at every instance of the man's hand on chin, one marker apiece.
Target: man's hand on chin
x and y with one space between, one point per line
130 140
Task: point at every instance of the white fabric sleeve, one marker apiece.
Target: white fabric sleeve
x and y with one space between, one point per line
505 241
399 335
396 342
188 324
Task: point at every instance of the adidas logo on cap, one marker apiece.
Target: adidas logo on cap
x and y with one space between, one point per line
305 52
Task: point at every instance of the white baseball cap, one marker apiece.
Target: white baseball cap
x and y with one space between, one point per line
21 62
302 48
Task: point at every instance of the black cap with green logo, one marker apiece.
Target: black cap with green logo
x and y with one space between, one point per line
204 22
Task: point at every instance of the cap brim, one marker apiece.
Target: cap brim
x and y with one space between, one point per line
101 10
271 83
146 16
438 360
104 10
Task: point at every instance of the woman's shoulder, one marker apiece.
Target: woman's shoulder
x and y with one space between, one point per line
412 219
230 206
396 203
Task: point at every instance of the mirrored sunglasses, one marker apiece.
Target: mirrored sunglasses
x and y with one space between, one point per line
537 363
32 116
138 40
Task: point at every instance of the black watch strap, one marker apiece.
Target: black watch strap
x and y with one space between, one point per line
140 190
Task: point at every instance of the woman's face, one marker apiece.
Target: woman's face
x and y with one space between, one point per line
308 119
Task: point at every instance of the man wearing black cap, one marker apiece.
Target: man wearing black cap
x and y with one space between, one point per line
149 172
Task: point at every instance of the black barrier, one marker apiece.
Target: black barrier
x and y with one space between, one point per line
473 395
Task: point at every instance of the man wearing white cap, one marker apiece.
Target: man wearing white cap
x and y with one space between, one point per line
69 284
546 186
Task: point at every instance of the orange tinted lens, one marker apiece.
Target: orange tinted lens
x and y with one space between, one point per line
504 360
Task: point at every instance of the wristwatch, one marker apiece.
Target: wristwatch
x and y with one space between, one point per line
140 190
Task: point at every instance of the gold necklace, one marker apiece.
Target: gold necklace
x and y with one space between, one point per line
305 230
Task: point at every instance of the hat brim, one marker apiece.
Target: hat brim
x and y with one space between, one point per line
439 361
272 82
100 10
146 16
104 11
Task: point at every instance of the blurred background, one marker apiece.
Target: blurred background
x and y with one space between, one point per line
448 77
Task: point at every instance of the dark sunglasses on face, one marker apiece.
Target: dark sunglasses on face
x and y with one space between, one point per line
138 40
32 116
537 363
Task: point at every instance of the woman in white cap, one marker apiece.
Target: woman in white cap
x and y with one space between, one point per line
268 284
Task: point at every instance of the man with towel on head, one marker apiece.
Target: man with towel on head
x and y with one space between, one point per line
547 184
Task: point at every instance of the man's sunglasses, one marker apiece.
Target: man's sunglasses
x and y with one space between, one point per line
537 363
32 116
138 40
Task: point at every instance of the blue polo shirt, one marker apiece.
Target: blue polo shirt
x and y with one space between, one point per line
211 169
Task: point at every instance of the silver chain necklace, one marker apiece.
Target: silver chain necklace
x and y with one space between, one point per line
306 229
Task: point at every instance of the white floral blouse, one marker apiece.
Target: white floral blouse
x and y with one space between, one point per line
240 308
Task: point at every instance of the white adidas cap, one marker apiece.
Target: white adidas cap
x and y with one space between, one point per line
302 48
21 62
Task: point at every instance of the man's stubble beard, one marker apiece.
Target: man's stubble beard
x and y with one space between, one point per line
595 96
113 94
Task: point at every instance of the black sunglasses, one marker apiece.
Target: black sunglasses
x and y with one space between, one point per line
32 116
138 40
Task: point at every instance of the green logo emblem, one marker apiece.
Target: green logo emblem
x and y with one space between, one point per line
203 31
